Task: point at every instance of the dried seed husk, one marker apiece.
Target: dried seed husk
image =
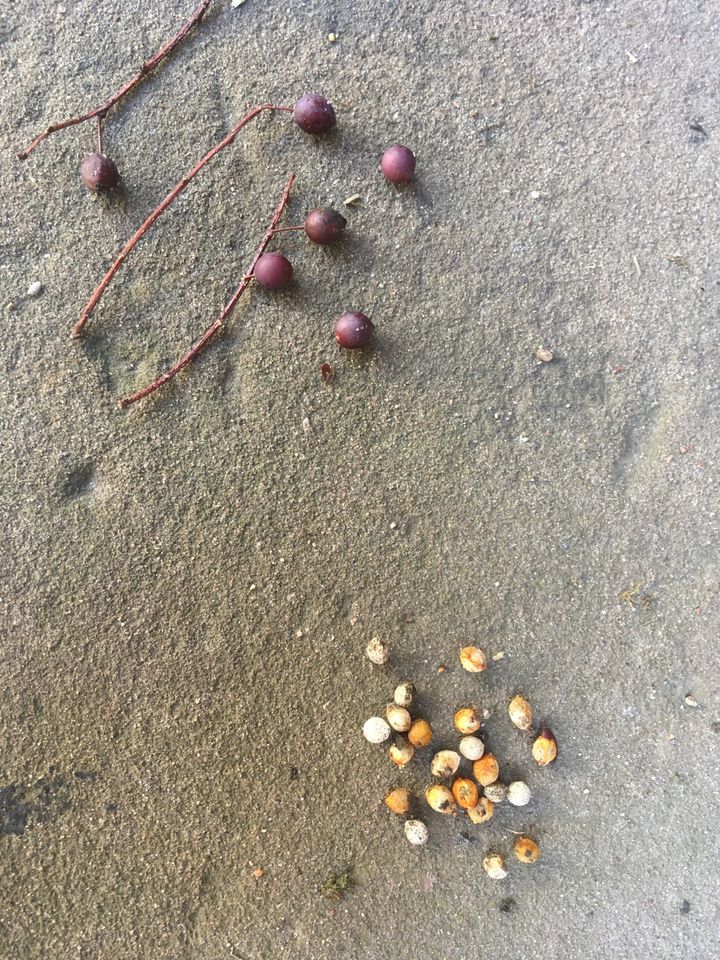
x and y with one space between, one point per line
376 730
377 651
494 866
518 793
416 832
520 712
445 763
420 734
404 693
473 659
440 799
398 717
497 792
486 770
465 792
544 749
526 850
472 748
399 800
467 720
482 811
401 752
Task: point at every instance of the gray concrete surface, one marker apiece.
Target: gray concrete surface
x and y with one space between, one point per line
187 588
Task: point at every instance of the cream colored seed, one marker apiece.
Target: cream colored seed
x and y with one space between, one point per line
398 717
520 712
494 866
473 659
444 763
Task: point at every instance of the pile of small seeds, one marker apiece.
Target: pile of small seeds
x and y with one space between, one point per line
454 791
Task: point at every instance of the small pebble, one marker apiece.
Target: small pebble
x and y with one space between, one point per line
544 355
258 872
35 289
690 701
306 425
332 37
534 194
9 307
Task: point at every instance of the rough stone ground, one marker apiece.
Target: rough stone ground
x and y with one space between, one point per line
187 588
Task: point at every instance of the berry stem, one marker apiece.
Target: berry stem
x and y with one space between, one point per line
200 344
99 135
149 65
286 229
159 210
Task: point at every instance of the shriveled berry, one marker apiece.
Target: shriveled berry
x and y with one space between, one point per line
398 164
314 113
353 330
325 225
98 172
273 271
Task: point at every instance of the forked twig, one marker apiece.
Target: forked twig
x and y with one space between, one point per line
200 344
157 212
149 65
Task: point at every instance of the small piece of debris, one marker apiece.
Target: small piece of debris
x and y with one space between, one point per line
631 57
258 871
544 355
332 37
327 372
336 885
442 668
62 8
236 3
393 526
35 289
499 655
9 307
690 701
351 201
685 907
486 714
534 194
306 425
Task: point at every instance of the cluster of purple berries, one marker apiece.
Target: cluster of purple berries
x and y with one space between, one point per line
273 271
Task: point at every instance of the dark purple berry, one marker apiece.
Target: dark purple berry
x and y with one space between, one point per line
325 226
314 114
98 172
273 271
398 164
353 330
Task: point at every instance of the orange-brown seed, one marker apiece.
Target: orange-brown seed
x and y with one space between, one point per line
465 793
482 811
544 750
399 801
520 712
486 770
526 850
473 659
440 799
467 720
420 734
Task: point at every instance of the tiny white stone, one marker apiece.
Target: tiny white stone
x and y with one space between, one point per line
544 355
416 832
534 194
377 651
690 701
472 748
236 3
332 37
35 289
518 793
376 730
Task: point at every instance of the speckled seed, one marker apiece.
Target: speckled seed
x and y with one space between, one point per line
526 850
398 801
472 748
467 720
445 763
497 792
376 730
404 693
416 832
473 659
518 793
544 750
486 770
377 651
420 734
494 866
401 752
35 289
520 712
440 799
465 792
482 811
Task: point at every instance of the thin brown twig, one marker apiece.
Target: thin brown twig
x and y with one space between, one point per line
200 344
149 65
161 207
